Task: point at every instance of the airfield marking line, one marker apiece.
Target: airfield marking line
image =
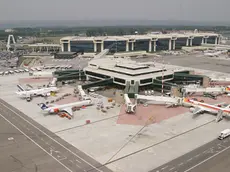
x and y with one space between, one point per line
197 155
190 159
171 168
78 161
164 167
207 159
35 142
181 164
50 137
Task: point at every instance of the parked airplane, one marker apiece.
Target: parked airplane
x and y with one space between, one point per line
201 107
23 93
215 54
65 110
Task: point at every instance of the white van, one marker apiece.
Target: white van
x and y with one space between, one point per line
225 133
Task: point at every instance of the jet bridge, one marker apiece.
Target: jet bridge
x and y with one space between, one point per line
130 107
131 90
187 90
98 83
160 100
82 93
101 54
80 75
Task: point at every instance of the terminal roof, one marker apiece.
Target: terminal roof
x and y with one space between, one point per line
148 36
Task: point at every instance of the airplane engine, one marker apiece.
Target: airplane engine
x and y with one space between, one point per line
46 94
54 110
191 109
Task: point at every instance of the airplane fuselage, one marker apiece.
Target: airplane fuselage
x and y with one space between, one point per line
59 108
210 108
36 92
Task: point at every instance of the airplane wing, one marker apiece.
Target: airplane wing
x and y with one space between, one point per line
221 103
197 110
68 110
23 95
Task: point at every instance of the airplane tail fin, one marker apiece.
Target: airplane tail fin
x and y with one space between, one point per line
20 88
42 106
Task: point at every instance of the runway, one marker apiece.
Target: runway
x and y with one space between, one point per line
211 157
31 146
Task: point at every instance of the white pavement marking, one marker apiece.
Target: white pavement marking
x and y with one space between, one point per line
207 159
181 164
51 138
78 161
189 159
35 142
171 168
197 155
164 168
221 145
205 151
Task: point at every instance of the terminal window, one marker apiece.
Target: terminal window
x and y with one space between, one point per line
144 81
119 80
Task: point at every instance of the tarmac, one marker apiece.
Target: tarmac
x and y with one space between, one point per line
156 145
211 157
197 61
18 153
70 158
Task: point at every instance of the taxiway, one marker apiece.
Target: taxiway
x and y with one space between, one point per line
64 155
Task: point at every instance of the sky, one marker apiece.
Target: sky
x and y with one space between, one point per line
186 10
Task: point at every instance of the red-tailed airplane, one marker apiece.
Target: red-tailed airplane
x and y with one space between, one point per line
201 107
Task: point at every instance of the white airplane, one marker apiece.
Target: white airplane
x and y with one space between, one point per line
215 54
201 107
28 94
65 110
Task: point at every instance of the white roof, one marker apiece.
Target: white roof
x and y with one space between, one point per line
44 45
225 131
136 37
107 66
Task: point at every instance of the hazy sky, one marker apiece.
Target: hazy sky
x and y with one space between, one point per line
194 10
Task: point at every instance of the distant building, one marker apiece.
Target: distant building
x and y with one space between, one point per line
128 43
65 55
9 30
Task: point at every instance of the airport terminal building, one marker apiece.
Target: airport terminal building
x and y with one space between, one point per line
123 71
127 43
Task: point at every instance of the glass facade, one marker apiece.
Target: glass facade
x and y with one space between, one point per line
119 80
141 45
180 42
65 46
197 41
98 47
84 46
211 40
97 75
145 81
115 46
162 44
130 46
